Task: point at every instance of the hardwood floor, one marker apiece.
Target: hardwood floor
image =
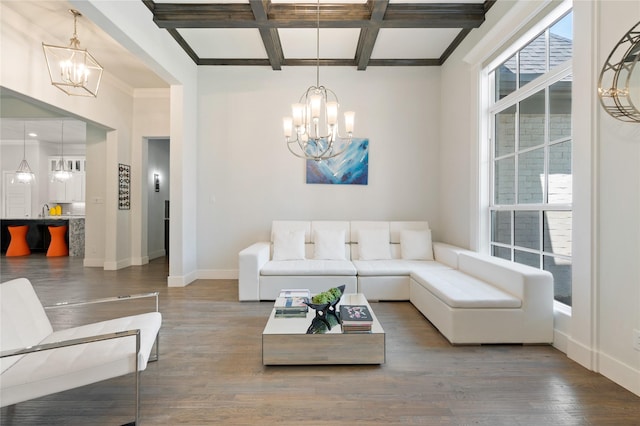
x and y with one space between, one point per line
210 369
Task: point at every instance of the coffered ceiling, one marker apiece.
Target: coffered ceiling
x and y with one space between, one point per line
280 33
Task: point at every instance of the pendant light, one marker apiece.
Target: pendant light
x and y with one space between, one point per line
23 172
61 173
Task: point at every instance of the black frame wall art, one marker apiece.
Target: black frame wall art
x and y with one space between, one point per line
124 186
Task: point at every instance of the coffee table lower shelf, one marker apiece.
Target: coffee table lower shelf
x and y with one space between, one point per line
312 349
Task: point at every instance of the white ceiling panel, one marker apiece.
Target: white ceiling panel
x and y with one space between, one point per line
335 43
225 42
412 43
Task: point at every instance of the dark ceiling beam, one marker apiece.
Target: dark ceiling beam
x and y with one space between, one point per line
185 46
270 36
434 15
268 17
397 15
454 44
293 62
369 35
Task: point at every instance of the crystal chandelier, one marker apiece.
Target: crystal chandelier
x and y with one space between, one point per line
318 104
23 173
72 69
62 172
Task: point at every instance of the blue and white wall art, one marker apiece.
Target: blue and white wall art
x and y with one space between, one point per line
349 168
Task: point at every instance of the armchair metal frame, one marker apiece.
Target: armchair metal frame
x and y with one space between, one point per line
98 338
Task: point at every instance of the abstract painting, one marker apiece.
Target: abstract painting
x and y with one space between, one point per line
348 168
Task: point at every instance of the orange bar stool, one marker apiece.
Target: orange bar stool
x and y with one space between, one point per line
58 246
18 245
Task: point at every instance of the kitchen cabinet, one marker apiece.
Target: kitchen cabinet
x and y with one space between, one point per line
73 190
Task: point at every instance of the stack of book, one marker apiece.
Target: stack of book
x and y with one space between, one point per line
292 303
355 319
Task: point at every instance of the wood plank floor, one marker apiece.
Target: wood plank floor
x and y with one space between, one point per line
210 369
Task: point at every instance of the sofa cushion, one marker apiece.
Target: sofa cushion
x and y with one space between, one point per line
288 245
308 267
373 244
459 290
329 244
416 245
392 267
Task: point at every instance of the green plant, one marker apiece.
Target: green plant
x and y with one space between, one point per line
327 296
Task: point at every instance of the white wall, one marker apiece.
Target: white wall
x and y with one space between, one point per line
618 203
151 109
606 295
247 177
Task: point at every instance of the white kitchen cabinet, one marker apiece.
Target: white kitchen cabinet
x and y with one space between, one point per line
73 190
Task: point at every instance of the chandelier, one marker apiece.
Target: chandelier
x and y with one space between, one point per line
314 119
72 69
62 172
24 174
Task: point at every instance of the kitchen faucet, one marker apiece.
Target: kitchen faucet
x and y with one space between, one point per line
44 212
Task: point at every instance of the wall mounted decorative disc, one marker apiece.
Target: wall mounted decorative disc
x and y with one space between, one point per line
619 82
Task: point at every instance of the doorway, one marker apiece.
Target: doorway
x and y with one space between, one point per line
158 198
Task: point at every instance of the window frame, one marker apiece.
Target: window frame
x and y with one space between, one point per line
513 99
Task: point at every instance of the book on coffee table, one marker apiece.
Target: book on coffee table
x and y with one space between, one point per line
355 319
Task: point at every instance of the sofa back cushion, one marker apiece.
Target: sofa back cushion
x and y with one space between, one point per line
416 245
23 321
330 240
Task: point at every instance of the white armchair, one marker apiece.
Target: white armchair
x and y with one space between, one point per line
35 360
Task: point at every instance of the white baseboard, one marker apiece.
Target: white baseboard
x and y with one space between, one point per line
95 262
560 341
156 254
581 354
621 373
181 280
119 264
218 274
140 260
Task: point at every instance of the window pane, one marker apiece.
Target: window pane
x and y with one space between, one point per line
527 229
557 233
504 185
561 270
501 227
501 252
560 109
506 131
561 41
526 258
530 176
533 60
560 177
532 121
505 78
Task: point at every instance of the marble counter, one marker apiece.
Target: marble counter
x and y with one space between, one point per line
76 236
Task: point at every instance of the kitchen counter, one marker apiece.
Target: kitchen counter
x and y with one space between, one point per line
38 237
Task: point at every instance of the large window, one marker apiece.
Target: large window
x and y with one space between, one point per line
530 208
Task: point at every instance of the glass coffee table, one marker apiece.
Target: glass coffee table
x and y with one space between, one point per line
285 342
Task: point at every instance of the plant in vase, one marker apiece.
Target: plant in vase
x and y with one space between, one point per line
325 306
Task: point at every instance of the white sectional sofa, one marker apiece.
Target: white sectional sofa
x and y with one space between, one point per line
470 298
